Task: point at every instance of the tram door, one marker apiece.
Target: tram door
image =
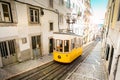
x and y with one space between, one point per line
51 45
8 52
36 46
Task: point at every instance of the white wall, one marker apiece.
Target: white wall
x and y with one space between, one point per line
114 40
8 31
23 29
46 33
43 28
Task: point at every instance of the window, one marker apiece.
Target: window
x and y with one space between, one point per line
80 42
72 44
59 45
3 49
36 42
68 4
51 26
51 3
66 46
11 47
61 2
5 12
7 48
34 15
75 42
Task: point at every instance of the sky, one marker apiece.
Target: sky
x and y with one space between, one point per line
98 7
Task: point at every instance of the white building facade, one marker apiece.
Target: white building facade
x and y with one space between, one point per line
27 26
111 39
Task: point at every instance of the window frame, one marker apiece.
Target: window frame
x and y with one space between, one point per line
34 16
68 3
36 41
50 26
61 2
72 43
8 48
9 12
59 45
65 45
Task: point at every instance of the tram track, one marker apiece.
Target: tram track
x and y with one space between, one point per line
64 70
42 72
53 70
77 61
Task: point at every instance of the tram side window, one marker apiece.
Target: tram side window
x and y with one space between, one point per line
80 42
72 44
59 45
66 46
75 42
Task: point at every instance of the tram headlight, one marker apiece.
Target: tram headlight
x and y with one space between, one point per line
59 57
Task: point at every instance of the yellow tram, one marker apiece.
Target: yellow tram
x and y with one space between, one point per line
67 47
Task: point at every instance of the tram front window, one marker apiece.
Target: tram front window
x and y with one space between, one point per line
66 46
59 45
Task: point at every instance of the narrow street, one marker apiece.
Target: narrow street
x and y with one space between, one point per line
92 68
88 66
59 39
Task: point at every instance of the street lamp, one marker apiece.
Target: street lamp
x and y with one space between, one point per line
70 19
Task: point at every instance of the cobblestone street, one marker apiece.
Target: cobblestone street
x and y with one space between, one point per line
92 68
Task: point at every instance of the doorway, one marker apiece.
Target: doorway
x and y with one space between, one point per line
51 42
8 52
111 58
107 51
36 46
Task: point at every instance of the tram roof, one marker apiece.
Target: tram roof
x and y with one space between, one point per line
65 36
